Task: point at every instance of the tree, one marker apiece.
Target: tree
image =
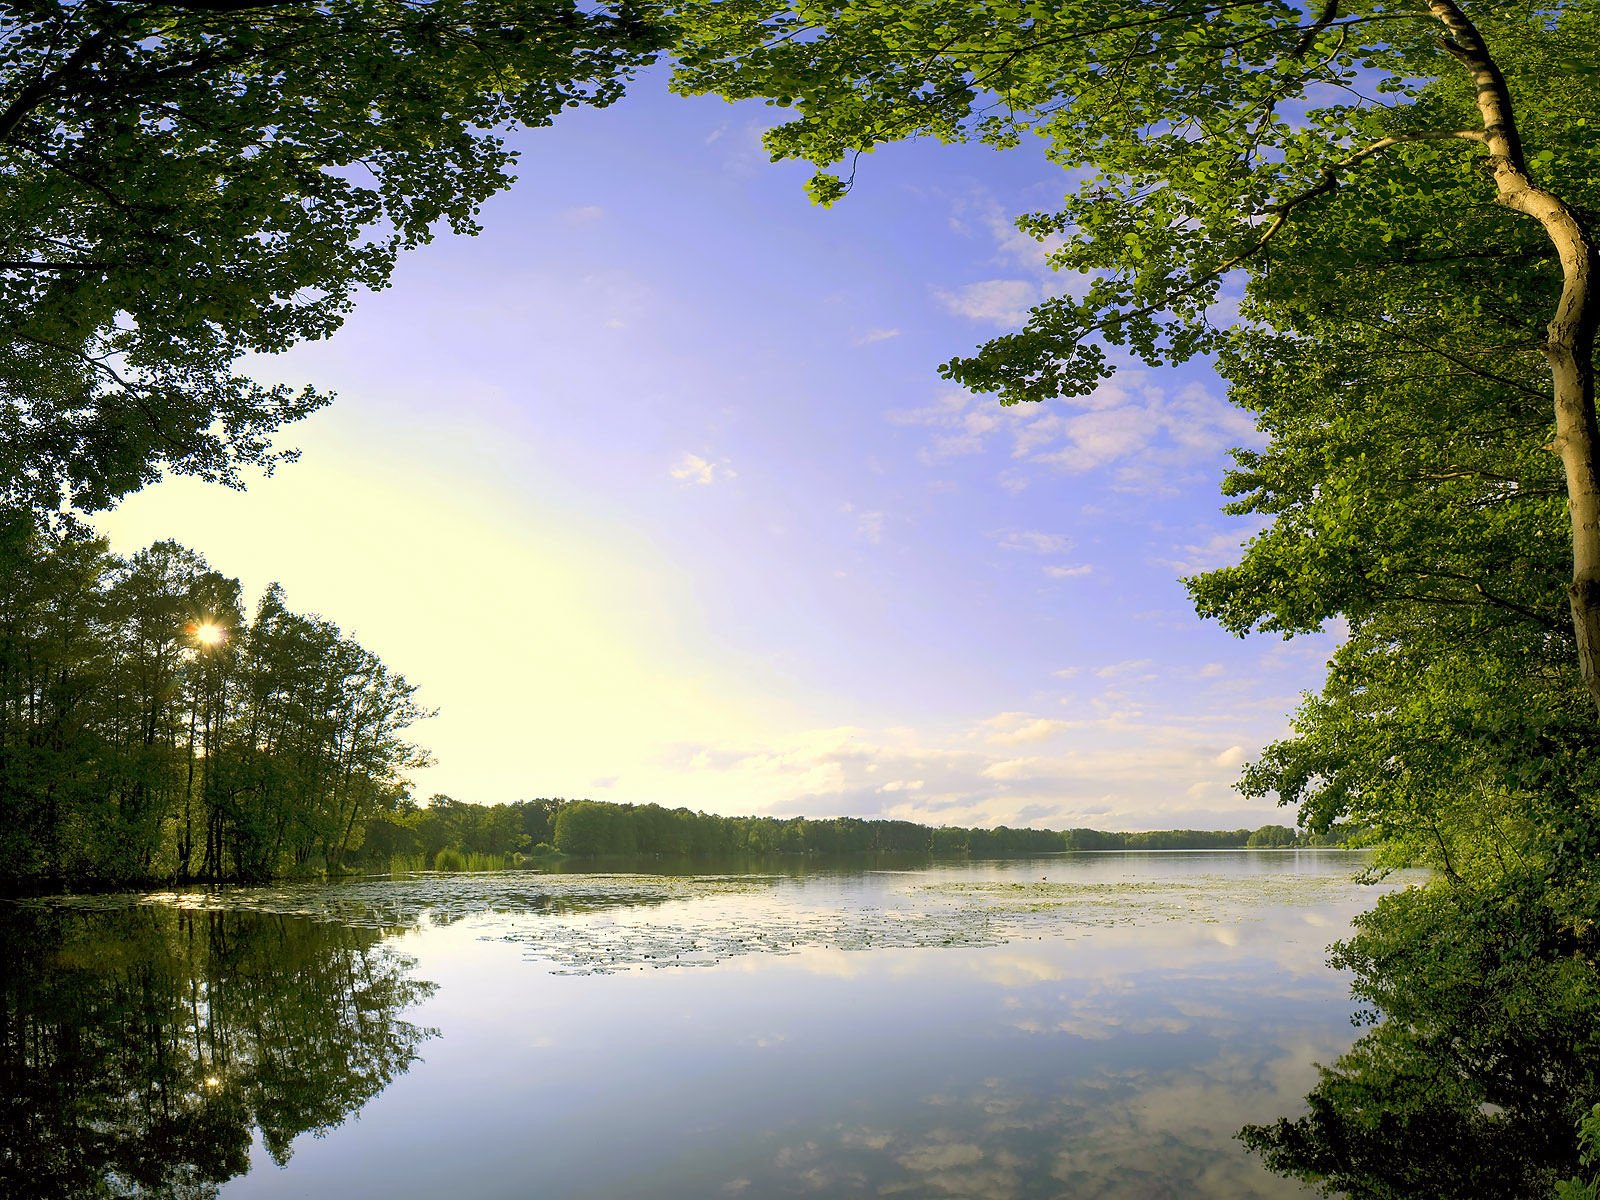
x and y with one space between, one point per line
133 749
1410 177
1271 837
585 828
189 181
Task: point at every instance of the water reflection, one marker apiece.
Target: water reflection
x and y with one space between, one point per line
1485 1054
143 1049
1083 1026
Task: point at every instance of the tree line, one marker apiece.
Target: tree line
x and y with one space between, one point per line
449 834
150 730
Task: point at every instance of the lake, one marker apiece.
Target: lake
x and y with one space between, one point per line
1077 1025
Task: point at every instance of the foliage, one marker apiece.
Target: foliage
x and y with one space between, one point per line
1270 837
1589 1141
449 860
188 182
132 749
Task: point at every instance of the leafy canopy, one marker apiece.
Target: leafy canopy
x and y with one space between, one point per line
1199 134
187 182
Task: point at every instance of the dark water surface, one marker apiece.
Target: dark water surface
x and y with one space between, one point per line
1075 1026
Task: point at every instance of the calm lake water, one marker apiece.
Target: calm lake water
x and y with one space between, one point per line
1074 1026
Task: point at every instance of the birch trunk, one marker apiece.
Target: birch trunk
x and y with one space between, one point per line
1570 344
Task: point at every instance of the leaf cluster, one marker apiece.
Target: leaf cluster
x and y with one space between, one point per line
188 182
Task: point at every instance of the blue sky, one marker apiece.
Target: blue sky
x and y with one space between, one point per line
654 489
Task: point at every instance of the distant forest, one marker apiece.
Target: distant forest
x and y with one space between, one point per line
448 834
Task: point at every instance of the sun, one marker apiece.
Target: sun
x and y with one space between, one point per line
209 633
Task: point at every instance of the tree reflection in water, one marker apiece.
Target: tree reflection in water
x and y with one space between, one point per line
140 1047
1484 1056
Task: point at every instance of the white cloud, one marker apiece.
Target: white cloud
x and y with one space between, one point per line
875 335
869 525
585 214
691 468
1069 570
962 423
1018 728
1145 434
997 301
1233 756
1219 550
1032 541
1126 667
1019 248
947 408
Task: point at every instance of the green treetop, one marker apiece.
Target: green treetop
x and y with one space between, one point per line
189 181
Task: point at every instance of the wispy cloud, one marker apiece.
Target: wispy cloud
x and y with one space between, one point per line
874 335
962 423
584 214
1069 570
1033 541
691 468
1006 301
1127 666
869 524
1189 558
995 301
1018 728
1145 434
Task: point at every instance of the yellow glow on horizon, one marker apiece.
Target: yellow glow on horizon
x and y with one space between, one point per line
596 684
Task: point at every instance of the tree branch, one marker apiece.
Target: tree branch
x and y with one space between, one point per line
1281 213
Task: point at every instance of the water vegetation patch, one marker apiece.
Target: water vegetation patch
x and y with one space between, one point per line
606 923
943 914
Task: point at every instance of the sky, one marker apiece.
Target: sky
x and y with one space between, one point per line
655 492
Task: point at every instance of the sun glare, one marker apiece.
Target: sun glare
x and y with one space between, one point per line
209 633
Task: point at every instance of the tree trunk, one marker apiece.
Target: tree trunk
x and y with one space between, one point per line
1570 346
